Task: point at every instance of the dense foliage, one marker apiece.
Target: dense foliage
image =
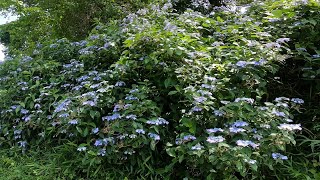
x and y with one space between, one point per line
174 90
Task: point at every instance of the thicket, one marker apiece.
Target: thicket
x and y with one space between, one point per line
171 90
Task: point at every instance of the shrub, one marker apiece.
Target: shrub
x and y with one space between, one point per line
156 95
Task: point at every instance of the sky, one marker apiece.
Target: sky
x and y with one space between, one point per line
4 20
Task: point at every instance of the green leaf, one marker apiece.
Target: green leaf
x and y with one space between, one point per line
178 52
85 132
153 145
171 152
219 19
277 13
172 93
190 124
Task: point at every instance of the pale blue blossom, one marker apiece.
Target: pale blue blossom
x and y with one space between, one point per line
297 100
236 130
24 111
83 148
120 84
102 152
214 130
250 161
290 127
279 156
112 117
98 142
278 113
189 138
130 98
64 115
248 100
240 124
241 64
215 139
159 121
197 147
95 130
131 116
140 131
154 136
22 144
246 143
73 122
196 109
90 103
219 113
200 99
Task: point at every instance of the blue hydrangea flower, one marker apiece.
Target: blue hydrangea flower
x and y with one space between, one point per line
102 152
189 138
241 64
215 139
98 142
279 113
290 127
140 131
281 99
248 100
236 130
83 78
26 118
120 84
117 107
74 121
131 116
179 141
200 99
127 106
90 103
112 117
209 78
246 143
196 109
282 40
282 104
208 86
297 100
95 130
37 106
83 148
77 88
22 144
132 136
130 98
239 124
219 113
108 140
250 161
134 91
97 78
17 132
94 86
197 147
203 93
279 156
159 121
63 106
156 137
214 130
24 111
64 115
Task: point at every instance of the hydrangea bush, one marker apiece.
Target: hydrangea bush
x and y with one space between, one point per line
158 94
